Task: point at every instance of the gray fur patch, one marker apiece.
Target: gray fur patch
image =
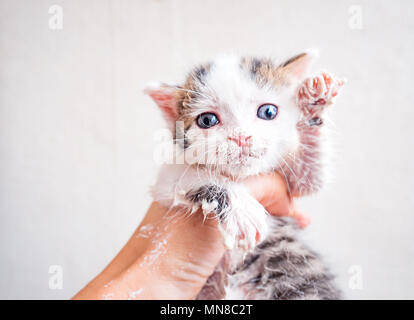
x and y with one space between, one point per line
211 193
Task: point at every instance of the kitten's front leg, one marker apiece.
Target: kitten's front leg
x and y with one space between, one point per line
304 170
243 222
247 222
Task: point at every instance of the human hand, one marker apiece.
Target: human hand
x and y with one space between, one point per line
171 255
272 193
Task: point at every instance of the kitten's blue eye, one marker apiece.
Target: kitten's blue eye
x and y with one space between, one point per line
207 120
267 111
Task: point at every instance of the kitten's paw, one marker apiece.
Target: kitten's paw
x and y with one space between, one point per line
318 91
211 198
245 225
242 219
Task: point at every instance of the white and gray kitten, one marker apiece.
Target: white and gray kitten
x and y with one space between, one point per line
237 117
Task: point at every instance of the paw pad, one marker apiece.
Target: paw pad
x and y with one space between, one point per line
319 90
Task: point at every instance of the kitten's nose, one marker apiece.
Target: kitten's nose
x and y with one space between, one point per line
240 140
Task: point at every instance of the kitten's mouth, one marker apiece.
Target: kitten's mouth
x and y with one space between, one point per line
233 160
238 163
244 156
248 152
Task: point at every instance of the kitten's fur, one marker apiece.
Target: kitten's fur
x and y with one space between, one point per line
279 266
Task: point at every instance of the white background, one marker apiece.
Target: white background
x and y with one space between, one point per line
76 132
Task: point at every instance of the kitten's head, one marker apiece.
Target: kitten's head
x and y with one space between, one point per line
236 115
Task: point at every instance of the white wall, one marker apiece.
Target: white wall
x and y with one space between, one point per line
76 133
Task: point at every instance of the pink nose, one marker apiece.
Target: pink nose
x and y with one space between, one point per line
241 141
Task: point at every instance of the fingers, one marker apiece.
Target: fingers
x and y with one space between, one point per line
286 207
271 191
302 218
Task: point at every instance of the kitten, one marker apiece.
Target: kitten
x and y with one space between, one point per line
233 118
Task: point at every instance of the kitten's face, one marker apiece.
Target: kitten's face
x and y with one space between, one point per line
239 116
245 127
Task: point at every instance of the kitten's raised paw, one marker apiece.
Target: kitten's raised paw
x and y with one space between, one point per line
318 91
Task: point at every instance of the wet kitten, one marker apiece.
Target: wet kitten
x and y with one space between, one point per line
236 117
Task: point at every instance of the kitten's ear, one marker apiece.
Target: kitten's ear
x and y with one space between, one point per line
164 96
298 66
